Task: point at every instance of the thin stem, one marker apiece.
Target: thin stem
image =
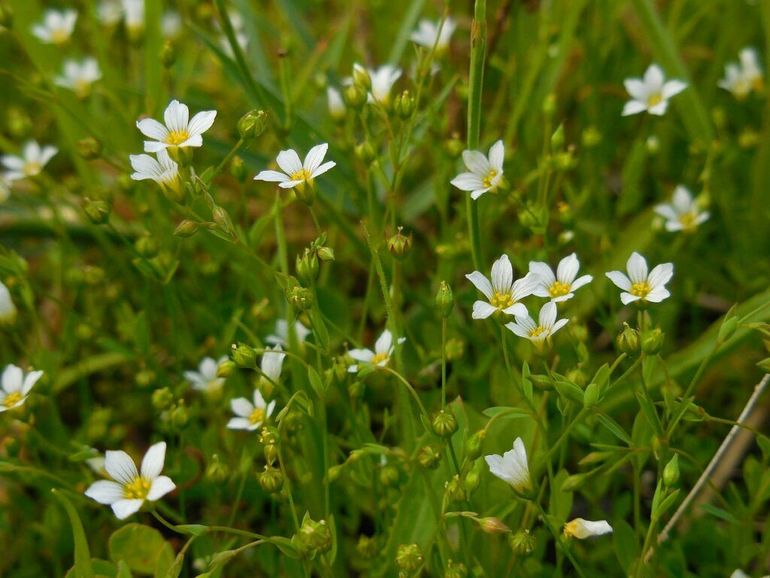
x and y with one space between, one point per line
443 362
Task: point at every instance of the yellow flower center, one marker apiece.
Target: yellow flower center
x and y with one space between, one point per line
32 168
176 137
641 289
379 358
137 489
488 180
501 300
557 289
257 416
82 88
301 175
59 35
12 399
687 220
654 99
537 331
571 529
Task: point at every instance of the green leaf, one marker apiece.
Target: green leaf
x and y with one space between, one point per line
316 382
568 390
720 513
142 548
508 411
83 568
614 428
626 544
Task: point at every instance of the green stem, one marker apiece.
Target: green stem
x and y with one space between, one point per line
443 362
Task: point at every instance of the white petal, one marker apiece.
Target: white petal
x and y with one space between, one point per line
154 146
259 401
659 109
581 529
323 168
201 122
543 271
636 89
517 310
105 492
271 177
568 269
637 268
152 128
195 140
152 463
481 283
238 423
13 378
289 162
667 212
120 466
502 274
467 182
619 279
241 407
315 157
660 275
30 380
633 107
364 355
161 486
547 315
672 88
497 155
627 298
177 116
653 78
558 325
657 295
682 199
476 162
384 342
482 310
580 281
518 329
476 194
124 508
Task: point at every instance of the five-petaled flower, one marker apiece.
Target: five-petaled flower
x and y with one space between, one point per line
57 26
640 285
538 333
78 76
179 131
742 78
651 93
484 173
130 487
683 213
295 172
582 529
15 386
561 286
430 34
250 416
503 293
383 349
205 379
512 467
31 162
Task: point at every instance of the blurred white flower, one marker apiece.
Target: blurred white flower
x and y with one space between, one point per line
7 307
133 11
15 386
336 104
171 24
296 172
427 34
383 79
651 93
640 285
582 529
131 488
109 12
683 213
205 379
56 27
240 35
512 467
484 173
503 293
162 170
561 286
31 162
250 416
541 331
78 76
383 349
179 131
739 574
742 78
281 335
272 363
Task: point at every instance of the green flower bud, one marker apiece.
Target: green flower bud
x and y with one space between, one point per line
429 457
271 453
557 138
300 297
312 538
591 137
491 525
238 169
522 542
652 341
97 211
162 398
549 105
226 368
671 472
367 547
252 124
271 480
404 105
389 475
365 152
628 340
179 415
455 570
399 244
307 266
186 228
454 147
168 54
474 444
361 78
244 356
326 254
444 299
354 97
146 246
89 148
409 557
145 377
217 471
454 489
444 423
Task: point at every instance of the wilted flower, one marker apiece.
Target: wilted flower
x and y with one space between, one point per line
639 285
79 76
205 379
250 416
7 307
272 362
485 174
538 332
130 488
296 172
162 170
383 349
57 26
31 162
503 293
683 213
582 529
512 467
179 131
428 35
281 335
561 286
742 78
651 93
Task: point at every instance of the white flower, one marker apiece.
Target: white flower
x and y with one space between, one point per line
683 213
31 162
512 467
15 386
79 76
205 379
538 332
240 35
383 79
484 173
296 172
742 78
7 308
383 349
250 415
272 362
739 574
427 34
131 488
109 12
639 285
561 286
582 529
503 293
171 24
57 26
651 93
281 335
336 104
162 170
179 131
133 10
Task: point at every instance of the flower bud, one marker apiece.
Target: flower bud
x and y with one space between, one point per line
365 152
549 105
454 147
313 537
389 475
404 105
472 479
238 169
671 472
429 457
97 211
252 124
399 244
522 542
270 480
454 489
271 453
652 341
409 557
474 444
628 340
226 368
162 398
361 78
444 299
244 356
354 97
146 246
179 415
186 229
491 525
307 266
455 570
89 148
444 423
367 547
168 54
300 298
591 137
557 138
144 378
216 471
